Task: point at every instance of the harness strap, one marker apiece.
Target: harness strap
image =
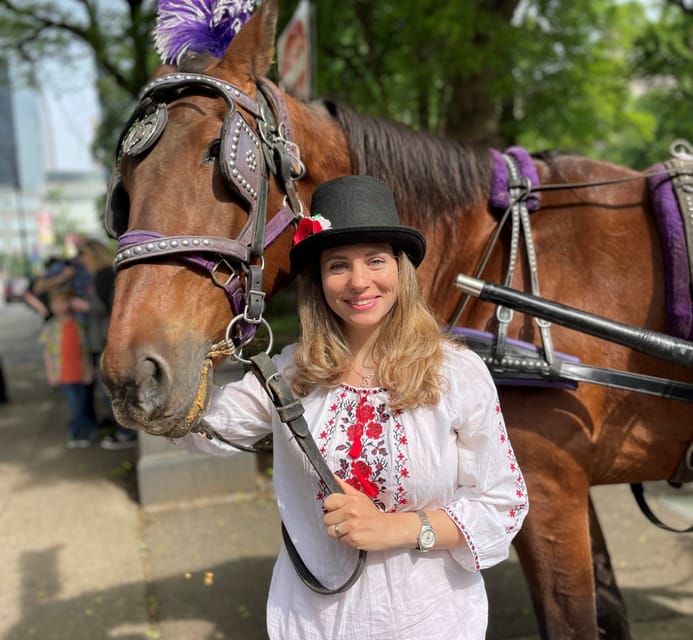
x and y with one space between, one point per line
290 412
639 382
504 315
519 190
639 494
178 81
287 160
137 245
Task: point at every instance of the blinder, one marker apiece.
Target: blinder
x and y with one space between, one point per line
241 158
117 207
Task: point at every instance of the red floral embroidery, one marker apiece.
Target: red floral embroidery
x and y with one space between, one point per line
515 512
374 430
372 447
364 412
355 433
361 474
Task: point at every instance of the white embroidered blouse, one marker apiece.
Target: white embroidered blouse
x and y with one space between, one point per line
455 456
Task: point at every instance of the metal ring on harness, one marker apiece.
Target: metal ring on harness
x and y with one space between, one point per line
681 149
238 353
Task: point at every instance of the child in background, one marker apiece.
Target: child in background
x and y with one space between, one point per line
97 259
68 365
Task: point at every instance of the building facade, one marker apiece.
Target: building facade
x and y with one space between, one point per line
37 208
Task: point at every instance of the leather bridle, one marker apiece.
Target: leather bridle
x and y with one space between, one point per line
247 157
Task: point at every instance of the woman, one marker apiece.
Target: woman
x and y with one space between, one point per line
97 259
409 423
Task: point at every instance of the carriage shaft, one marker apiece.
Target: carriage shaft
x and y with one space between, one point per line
653 343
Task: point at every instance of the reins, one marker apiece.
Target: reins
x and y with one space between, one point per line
290 411
600 183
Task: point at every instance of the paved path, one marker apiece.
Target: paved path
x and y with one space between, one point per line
82 561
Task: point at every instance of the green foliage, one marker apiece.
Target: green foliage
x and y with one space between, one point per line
541 73
663 63
116 33
609 79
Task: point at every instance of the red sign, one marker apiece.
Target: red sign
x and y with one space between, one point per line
294 54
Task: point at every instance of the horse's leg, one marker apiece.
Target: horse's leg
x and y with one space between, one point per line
554 551
612 619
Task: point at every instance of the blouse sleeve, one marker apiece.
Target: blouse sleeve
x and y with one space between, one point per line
490 502
241 412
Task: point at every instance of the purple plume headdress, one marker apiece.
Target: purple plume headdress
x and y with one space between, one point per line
199 26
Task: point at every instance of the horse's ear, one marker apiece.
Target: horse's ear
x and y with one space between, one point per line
251 51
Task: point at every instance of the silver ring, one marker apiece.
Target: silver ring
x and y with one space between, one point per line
337 532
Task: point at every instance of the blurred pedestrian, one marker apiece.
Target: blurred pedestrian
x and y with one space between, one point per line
68 365
97 259
71 273
38 302
63 272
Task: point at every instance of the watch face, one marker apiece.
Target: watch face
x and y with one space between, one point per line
428 538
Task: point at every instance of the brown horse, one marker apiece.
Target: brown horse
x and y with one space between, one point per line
597 249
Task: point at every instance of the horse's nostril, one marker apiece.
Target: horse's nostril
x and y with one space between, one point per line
151 381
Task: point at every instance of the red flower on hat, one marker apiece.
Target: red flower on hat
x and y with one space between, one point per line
309 226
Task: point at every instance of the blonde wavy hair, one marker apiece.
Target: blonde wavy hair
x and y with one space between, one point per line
97 255
408 348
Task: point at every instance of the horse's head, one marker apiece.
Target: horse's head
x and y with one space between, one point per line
202 201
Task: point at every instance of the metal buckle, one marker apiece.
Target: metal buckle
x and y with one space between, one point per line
223 262
504 315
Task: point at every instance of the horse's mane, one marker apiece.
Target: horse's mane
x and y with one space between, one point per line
432 178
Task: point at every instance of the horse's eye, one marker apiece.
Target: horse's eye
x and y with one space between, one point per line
212 154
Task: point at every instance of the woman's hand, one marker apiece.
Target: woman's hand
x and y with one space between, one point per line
360 524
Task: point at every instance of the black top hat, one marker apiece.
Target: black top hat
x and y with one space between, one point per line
353 210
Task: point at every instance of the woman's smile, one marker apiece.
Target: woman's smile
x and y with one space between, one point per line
360 283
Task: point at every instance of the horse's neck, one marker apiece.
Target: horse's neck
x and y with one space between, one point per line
323 146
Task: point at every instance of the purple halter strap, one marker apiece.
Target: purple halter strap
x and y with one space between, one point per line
205 252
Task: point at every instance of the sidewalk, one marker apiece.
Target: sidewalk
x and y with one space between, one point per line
82 561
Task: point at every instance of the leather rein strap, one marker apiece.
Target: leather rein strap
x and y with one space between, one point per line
290 412
639 495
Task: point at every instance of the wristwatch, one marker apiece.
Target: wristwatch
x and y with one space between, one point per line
427 537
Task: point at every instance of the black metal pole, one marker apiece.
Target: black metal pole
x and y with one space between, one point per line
659 345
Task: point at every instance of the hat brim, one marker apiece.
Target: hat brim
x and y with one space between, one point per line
408 239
